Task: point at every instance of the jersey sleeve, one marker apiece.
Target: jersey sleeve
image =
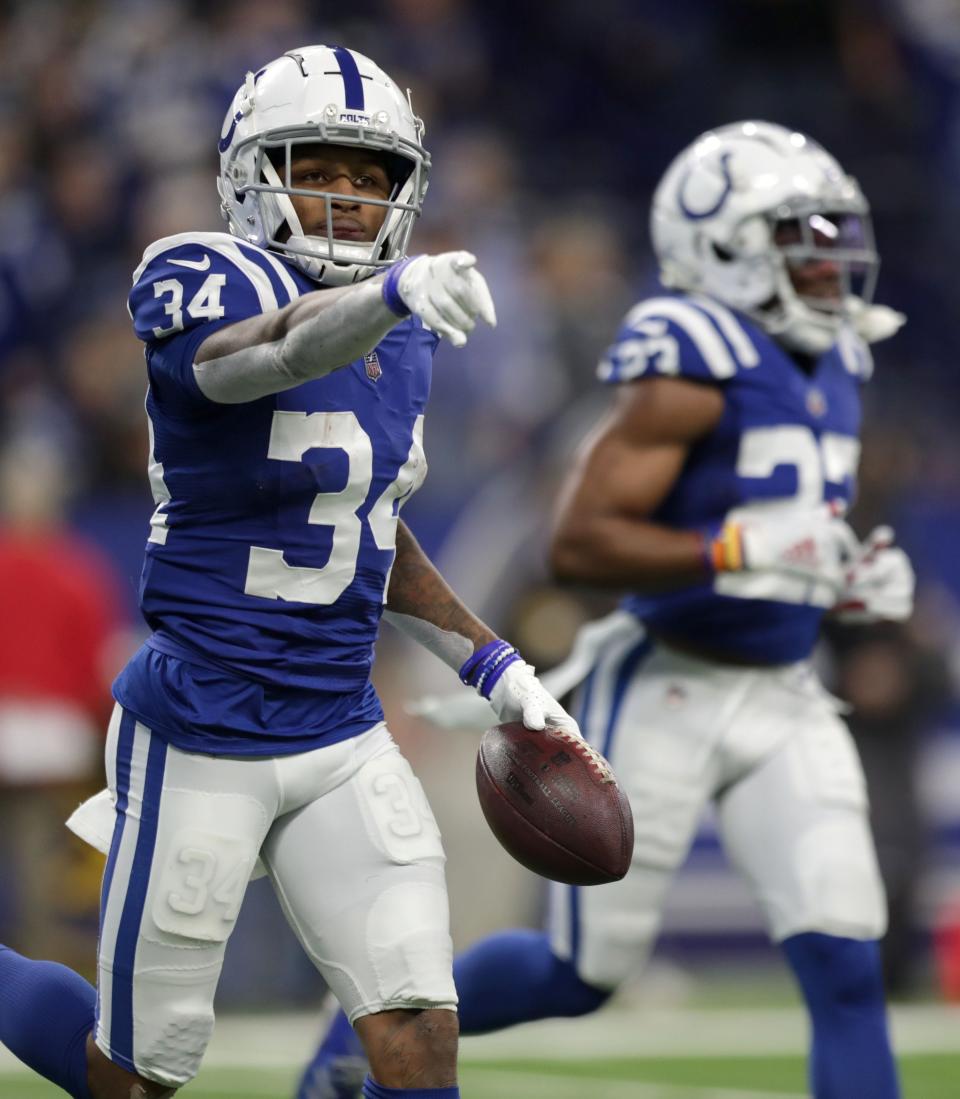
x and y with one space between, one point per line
187 289
675 337
426 336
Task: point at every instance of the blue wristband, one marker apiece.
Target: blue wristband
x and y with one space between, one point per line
487 664
708 535
391 295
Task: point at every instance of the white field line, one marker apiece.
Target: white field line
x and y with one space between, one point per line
284 1041
554 1085
735 1032
547 1085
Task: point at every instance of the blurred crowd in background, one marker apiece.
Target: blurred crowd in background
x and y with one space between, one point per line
549 123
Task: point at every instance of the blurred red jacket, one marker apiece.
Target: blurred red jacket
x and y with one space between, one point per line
59 615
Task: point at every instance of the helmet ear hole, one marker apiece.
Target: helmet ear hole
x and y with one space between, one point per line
722 254
399 169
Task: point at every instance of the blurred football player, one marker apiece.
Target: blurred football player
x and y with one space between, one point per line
289 368
714 490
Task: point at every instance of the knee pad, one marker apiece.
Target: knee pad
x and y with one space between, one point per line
172 1056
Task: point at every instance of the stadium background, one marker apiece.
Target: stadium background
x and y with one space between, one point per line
549 124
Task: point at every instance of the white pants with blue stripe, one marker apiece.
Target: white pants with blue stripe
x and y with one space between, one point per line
345 835
768 748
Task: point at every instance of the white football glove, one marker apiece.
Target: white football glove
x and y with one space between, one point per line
447 293
519 696
814 545
880 584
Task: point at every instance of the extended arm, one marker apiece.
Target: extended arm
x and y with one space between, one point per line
422 605
603 534
308 338
327 329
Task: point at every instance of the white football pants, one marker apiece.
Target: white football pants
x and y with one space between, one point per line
345 835
768 747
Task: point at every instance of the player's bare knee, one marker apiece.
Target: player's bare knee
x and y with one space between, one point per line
409 1049
438 1031
150 1091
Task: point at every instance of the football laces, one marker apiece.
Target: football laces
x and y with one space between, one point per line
588 752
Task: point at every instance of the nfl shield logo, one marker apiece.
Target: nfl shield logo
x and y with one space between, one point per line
372 366
675 696
816 402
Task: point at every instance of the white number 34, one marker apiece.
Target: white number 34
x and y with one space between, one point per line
204 305
269 576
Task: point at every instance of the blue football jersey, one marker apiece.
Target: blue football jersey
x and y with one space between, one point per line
787 439
271 546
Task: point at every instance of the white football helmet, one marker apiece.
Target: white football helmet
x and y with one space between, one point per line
714 220
335 96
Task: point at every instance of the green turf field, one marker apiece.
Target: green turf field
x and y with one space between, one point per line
925 1076
695 1050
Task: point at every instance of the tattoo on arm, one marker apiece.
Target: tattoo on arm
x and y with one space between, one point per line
422 604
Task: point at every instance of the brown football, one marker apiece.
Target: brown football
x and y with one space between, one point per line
554 804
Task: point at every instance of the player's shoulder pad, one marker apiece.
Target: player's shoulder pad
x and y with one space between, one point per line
194 278
855 354
684 335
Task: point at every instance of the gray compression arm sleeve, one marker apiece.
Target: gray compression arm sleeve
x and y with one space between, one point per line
349 328
452 648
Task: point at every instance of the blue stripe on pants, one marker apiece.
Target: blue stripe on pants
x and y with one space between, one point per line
124 755
630 664
128 933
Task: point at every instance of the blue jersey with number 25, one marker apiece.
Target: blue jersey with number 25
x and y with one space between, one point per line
788 439
271 545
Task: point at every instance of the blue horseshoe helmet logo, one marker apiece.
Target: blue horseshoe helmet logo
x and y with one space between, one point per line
224 143
699 215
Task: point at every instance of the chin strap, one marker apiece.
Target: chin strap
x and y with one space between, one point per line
803 328
873 323
805 331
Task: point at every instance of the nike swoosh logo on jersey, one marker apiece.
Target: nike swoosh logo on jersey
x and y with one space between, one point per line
193 264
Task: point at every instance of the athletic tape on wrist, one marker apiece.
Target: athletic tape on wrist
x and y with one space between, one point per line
487 664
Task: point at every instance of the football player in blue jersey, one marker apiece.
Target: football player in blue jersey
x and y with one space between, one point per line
714 492
289 367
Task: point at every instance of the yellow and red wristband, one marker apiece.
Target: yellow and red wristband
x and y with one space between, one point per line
724 551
